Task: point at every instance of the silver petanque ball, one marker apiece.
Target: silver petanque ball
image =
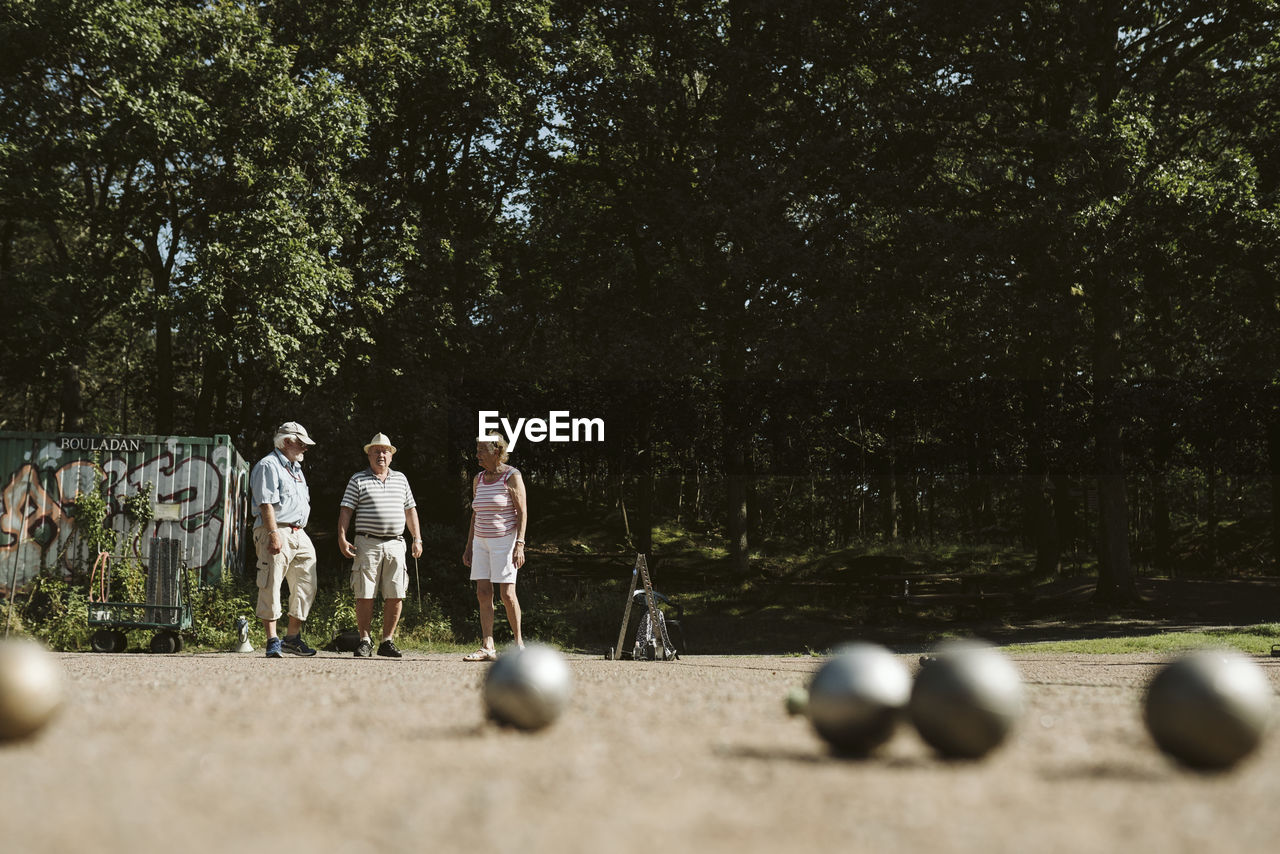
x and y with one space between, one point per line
527 688
1209 709
966 699
858 697
31 689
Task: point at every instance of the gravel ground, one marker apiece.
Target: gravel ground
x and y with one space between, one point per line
223 752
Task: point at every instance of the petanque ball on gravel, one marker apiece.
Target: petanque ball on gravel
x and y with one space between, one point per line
527 688
797 701
1209 709
858 697
31 689
966 700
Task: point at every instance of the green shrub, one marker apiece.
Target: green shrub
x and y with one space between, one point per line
214 610
56 614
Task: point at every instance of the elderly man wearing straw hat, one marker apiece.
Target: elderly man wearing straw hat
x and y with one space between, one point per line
381 505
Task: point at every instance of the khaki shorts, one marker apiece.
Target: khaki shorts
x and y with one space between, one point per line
295 564
379 564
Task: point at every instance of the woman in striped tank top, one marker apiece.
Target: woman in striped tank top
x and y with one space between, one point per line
495 543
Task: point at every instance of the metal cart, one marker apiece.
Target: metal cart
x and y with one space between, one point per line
167 609
654 629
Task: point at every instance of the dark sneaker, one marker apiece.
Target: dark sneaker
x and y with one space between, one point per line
295 645
389 649
273 648
364 649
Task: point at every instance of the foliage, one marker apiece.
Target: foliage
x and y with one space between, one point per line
89 510
138 511
834 274
215 608
56 613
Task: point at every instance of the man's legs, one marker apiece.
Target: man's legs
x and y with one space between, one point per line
391 609
364 617
300 573
270 573
295 626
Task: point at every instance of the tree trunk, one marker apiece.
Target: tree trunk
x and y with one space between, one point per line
1211 509
643 530
1115 573
1273 456
72 399
737 448
891 499
1161 522
207 398
163 391
1040 527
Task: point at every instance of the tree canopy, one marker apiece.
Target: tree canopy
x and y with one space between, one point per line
828 270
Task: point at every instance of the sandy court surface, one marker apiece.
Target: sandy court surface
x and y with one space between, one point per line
225 752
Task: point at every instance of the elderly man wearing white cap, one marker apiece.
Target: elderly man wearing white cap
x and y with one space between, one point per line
281 509
381 504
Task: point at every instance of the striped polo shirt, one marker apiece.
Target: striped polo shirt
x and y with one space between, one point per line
379 505
494 509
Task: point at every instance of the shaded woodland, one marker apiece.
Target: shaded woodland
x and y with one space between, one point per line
832 271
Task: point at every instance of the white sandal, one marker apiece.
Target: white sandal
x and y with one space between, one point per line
481 654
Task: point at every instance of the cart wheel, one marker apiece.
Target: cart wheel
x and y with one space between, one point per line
675 632
164 643
608 654
103 640
121 641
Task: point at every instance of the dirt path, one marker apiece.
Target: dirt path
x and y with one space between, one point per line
225 753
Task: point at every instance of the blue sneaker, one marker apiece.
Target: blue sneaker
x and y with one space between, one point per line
273 648
295 645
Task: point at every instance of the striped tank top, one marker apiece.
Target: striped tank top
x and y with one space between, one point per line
494 509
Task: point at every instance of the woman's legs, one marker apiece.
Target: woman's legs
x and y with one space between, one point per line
512 606
484 595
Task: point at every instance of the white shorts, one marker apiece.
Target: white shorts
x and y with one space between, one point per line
492 559
378 564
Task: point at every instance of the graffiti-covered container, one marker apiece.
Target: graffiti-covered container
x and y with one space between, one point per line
198 490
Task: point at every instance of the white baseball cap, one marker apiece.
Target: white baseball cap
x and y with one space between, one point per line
296 430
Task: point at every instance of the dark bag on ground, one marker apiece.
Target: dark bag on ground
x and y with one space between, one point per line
344 641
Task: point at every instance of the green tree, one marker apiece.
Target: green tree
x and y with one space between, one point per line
170 163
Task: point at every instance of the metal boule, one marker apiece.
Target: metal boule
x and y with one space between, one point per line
857 699
31 688
527 688
966 700
1209 709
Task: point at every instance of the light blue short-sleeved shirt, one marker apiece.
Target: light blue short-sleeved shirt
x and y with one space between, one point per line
277 481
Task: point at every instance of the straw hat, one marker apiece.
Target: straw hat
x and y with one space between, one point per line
380 440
